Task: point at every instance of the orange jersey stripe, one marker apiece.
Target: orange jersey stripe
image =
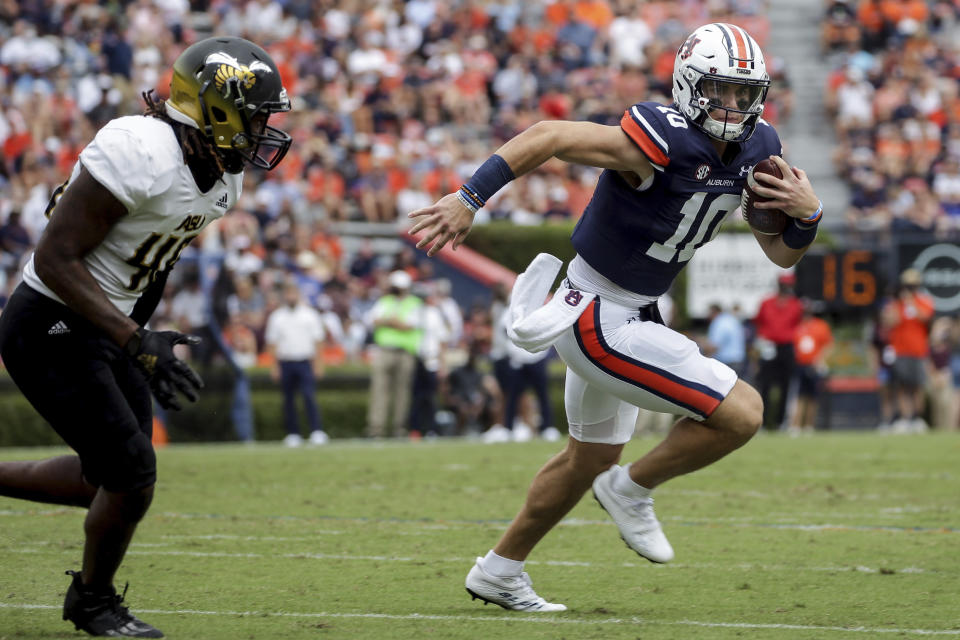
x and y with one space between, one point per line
623 368
640 137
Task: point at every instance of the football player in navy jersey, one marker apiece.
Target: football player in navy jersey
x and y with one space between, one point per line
671 175
72 335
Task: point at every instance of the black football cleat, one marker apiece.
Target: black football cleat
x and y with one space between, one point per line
103 613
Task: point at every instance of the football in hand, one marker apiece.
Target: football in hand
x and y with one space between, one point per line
769 222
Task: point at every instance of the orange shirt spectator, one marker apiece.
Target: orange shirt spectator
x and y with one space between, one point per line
869 16
596 13
909 317
811 341
894 11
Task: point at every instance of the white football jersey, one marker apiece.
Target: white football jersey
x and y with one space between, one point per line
138 159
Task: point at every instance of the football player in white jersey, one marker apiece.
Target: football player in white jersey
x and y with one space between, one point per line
72 335
672 174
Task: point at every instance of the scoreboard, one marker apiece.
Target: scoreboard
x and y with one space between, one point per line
844 280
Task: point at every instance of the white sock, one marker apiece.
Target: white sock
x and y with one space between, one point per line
626 487
499 566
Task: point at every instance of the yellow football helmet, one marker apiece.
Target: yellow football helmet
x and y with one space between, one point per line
222 85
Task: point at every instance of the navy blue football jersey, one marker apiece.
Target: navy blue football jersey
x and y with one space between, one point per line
641 239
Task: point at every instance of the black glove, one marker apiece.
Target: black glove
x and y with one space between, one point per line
152 351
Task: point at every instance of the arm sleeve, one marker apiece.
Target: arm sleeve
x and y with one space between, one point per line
149 299
120 161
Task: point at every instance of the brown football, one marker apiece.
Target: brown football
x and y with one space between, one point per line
766 221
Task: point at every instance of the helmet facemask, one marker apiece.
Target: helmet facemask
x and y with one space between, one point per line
715 96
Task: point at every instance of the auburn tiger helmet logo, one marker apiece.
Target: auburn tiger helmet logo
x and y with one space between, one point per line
687 49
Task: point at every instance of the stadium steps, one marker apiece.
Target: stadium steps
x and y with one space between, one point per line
808 136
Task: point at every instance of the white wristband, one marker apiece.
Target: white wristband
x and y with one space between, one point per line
469 205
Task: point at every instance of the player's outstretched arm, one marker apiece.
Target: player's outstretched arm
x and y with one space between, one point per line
794 195
607 147
80 221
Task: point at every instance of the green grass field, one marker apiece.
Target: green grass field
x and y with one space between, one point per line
835 536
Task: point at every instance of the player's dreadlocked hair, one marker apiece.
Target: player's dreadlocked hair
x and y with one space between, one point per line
193 143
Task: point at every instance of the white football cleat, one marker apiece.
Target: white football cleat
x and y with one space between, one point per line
319 437
292 440
496 434
638 525
512 592
551 434
521 432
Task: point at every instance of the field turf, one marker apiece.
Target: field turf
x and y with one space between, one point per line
830 537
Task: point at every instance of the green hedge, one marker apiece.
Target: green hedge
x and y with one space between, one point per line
342 401
514 246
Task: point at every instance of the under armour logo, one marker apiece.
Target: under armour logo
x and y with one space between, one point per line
745 169
573 298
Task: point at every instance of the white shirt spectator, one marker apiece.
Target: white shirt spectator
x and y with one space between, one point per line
420 12
435 335
628 37
189 306
855 100
294 332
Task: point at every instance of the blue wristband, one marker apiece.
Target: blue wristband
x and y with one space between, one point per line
488 179
467 199
800 234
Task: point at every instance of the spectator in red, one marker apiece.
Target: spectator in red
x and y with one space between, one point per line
776 325
811 347
908 317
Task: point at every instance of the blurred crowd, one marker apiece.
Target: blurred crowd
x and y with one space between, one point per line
893 95
395 104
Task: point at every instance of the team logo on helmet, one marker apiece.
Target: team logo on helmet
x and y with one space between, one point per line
229 67
687 49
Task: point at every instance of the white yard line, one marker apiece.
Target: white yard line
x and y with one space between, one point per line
769 521
147 549
520 617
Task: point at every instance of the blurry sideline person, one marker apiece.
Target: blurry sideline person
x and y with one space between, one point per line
431 363
726 338
881 358
517 370
140 192
776 325
499 358
294 338
944 407
672 173
907 317
471 395
812 344
528 371
397 319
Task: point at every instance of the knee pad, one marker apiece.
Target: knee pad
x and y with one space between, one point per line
128 467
